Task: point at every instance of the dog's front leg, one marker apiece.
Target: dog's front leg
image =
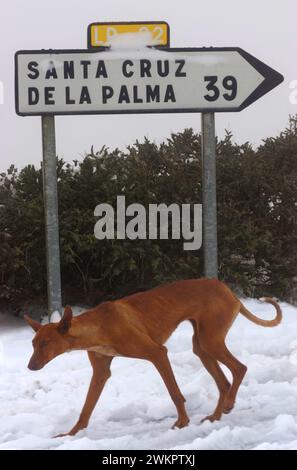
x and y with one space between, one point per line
101 373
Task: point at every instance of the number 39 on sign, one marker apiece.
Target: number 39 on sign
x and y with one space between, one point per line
102 34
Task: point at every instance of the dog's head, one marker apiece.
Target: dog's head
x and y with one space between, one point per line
50 340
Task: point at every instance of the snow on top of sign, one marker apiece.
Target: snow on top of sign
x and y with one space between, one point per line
132 41
137 43
134 46
158 54
141 51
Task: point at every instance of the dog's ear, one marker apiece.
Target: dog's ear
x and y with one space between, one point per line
35 325
65 322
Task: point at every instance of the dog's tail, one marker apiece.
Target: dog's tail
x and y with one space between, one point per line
250 316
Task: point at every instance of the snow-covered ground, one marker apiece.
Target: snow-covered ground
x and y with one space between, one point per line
135 411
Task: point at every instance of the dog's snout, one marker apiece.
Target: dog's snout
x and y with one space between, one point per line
33 365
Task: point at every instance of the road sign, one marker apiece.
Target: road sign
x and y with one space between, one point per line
146 81
102 34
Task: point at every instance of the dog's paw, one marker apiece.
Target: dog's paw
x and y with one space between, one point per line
60 435
181 423
211 418
70 433
228 408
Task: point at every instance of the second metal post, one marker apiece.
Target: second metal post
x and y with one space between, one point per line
209 198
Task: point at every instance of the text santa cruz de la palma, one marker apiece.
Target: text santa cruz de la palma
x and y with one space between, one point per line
68 70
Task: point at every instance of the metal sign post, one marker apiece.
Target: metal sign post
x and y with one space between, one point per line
50 196
209 200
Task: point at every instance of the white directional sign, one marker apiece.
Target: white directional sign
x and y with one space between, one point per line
141 81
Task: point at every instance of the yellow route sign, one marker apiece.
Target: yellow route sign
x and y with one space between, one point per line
102 34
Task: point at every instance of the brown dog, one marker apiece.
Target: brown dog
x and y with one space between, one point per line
137 326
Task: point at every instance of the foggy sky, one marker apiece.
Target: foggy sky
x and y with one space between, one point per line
264 28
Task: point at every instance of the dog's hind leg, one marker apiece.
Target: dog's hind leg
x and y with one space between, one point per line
219 351
212 366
